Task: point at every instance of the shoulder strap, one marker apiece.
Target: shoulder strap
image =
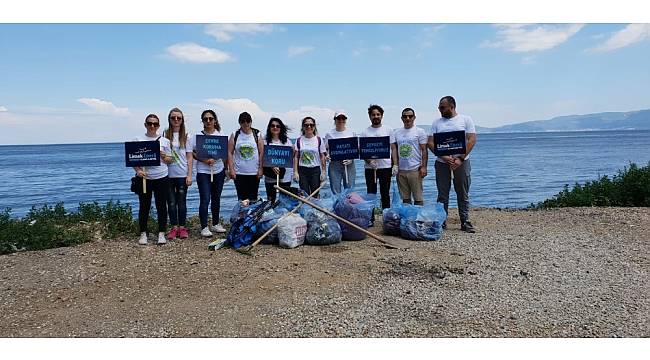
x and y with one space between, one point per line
256 134
298 143
235 138
319 144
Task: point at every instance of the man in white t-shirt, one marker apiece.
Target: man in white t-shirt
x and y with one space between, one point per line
459 164
384 168
411 144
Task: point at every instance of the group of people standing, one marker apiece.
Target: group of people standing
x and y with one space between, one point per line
408 163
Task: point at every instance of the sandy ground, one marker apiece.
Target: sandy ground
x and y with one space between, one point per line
580 272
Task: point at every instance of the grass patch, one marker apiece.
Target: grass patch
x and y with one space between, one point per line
630 187
52 226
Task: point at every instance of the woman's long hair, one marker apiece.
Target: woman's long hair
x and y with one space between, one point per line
283 131
182 133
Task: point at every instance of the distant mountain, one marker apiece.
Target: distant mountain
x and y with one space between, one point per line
631 120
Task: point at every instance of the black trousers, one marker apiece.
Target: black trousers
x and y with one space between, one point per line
309 179
383 177
247 187
158 188
271 192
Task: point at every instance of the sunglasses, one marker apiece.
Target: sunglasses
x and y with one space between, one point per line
408 116
274 126
176 117
206 119
246 121
154 124
308 125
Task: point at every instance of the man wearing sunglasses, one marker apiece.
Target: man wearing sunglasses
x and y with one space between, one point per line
449 121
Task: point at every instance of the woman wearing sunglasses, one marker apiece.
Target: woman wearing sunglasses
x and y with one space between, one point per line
245 148
180 173
157 182
309 158
276 134
209 191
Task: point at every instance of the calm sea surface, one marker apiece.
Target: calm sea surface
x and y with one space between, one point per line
508 170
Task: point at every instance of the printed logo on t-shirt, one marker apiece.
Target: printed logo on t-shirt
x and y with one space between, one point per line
246 151
405 151
307 157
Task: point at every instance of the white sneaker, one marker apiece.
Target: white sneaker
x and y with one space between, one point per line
143 239
162 240
206 232
218 229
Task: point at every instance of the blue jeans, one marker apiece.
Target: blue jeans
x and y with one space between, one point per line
336 173
210 192
177 201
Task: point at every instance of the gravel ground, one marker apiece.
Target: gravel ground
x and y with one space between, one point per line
579 272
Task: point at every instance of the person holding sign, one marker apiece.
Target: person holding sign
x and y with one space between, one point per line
180 173
340 170
309 160
411 144
380 169
276 134
245 148
157 182
210 176
459 164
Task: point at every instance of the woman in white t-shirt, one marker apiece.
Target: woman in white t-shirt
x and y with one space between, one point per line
276 134
210 176
337 169
245 148
180 173
309 158
157 182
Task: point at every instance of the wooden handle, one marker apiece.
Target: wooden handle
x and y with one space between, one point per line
387 243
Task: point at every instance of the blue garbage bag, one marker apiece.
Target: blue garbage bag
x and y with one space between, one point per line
357 208
243 230
322 229
391 216
407 224
268 220
288 202
429 222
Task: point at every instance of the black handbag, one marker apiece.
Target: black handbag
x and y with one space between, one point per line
268 171
136 185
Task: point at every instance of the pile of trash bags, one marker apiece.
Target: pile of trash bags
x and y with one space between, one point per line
246 222
356 208
413 222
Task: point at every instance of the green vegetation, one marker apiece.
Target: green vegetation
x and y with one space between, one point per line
630 187
49 227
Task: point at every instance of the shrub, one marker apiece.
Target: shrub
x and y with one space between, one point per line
630 187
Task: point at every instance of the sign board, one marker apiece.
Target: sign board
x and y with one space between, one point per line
211 147
449 143
343 148
278 156
374 147
142 153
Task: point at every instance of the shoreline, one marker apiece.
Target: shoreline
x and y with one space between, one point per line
571 272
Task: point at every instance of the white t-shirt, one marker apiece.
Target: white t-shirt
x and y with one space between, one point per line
457 123
288 174
408 147
203 168
379 132
157 172
247 156
309 155
178 168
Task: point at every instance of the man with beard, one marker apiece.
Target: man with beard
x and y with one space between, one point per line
458 164
383 167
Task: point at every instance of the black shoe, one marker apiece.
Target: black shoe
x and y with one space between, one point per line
467 227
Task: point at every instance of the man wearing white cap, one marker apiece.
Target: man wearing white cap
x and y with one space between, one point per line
341 171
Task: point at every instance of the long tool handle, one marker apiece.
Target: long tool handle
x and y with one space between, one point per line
387 243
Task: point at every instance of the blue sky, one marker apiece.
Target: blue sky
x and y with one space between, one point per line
65 83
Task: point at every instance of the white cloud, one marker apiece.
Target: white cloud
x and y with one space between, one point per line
194 53
529 38
103 107
226 32
228 111
3 109
385 48
359 51
631 34
299 50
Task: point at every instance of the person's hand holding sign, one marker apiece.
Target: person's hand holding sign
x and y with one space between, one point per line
141 173
276 170
456 163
